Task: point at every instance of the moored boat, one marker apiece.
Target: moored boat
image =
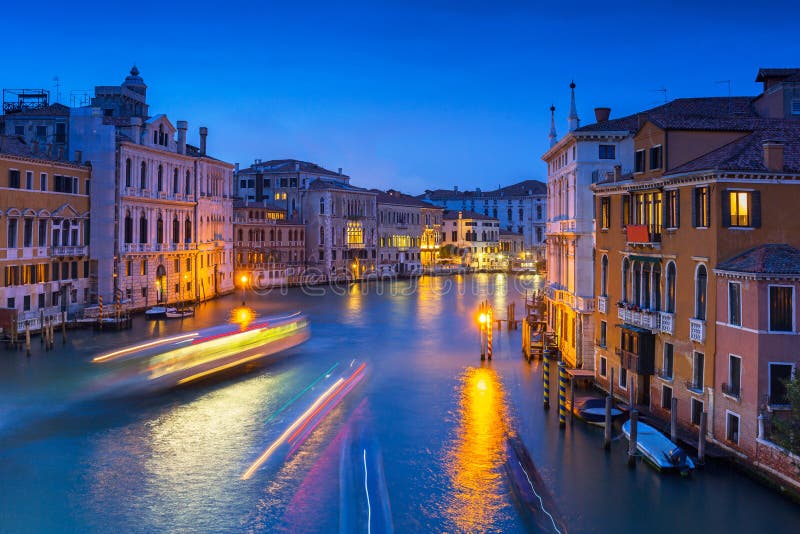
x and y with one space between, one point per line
156 312
658 450
175 313
593 410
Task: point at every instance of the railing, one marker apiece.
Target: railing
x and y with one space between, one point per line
355 245
567 226
584 305
694 385
628 359
642 318
732 390
70 251
667 322
602 304
664 374
697 330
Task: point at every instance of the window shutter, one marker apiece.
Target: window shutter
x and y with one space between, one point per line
726 208
678 208
694 207
756 207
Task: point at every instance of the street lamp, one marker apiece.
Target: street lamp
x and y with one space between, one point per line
243 280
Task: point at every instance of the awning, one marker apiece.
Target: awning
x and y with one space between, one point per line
630 327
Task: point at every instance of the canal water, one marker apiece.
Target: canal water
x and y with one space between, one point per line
430 419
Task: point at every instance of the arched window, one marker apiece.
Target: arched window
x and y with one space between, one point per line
626 271
187 227
128 227
175 182
128 172
155 137
272 234
637 282
280 235
159 230
65 233
143 176
604 276
700 288
241 235
646 284
187 189
160 178
142 229
322 206
176 230
321 236
671 278
657 287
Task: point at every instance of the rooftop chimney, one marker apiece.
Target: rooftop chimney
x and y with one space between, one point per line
203 135
773 155
49 150
297 165
455 189
602 114
182 127
34 147
617 172
60 152
136 129
79 156
340 170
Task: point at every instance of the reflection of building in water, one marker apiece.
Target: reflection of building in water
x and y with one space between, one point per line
474 463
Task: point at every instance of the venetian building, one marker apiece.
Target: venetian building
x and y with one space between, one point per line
150 183
581 158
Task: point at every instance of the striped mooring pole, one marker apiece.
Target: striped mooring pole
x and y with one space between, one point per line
489 330
100 311
546 375
562 394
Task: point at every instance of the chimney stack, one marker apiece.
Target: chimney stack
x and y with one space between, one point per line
79 156
602 114
136 129
340 170
34 148
617 172
182 127
203 135
60 152
773 155
49 150
455 189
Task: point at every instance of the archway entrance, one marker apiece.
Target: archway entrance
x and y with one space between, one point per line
161 285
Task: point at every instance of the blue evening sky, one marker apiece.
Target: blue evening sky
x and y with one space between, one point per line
412 94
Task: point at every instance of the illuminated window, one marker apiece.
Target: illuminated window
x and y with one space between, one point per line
355 233
741 208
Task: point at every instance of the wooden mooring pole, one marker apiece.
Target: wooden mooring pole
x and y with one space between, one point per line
673 421
607 429
63 328
27 338
701 439
634 434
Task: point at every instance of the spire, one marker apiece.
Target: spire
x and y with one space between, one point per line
572 119
553 135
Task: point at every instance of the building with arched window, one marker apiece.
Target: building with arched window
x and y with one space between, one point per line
44 234
179 227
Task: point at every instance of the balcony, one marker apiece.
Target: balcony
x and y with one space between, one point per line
567 227
695 385
352 246
584 305
70 251
697 330
641 365
732 390
602 304
638 317
667 322
639 235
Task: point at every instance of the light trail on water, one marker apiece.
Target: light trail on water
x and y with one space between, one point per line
326 374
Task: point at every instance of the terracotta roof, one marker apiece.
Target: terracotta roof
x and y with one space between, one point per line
774 259
777 73
15 145
275 166
535 187
400 199
466 214
319 184
705 113
52 109
747 153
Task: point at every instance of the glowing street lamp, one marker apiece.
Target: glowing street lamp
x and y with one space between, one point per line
243 281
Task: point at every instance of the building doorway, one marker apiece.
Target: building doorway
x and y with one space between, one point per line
161 284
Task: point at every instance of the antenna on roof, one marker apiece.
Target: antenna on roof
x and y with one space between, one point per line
58 86
662 90
729 85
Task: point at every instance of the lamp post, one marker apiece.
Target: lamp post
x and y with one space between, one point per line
482 318
243 280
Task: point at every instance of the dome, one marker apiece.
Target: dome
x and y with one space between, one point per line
134 79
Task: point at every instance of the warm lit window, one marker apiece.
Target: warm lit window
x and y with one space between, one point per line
672 198
702 215
605 213
742 209
355 233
